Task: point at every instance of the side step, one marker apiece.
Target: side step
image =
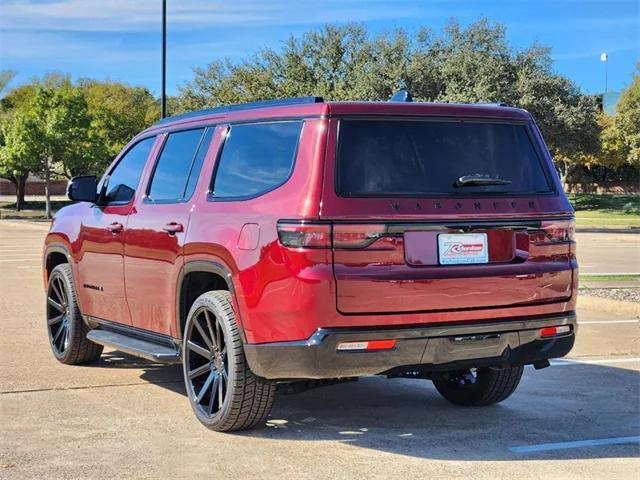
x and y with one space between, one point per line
138 347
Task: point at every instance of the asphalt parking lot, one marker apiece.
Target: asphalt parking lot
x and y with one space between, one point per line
126 418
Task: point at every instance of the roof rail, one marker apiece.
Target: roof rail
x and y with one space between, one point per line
279 102
495 104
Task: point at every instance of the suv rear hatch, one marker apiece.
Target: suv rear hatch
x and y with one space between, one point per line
442 214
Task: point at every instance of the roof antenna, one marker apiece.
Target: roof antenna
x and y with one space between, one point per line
402 96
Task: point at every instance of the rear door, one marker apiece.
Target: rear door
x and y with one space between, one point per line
437 214
157 228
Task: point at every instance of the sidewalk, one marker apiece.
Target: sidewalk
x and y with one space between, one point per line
32 198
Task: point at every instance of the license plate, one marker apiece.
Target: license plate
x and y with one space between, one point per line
462 248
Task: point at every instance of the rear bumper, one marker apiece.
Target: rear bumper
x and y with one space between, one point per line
440 347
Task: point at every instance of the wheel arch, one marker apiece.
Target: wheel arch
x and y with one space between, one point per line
197 277
54 255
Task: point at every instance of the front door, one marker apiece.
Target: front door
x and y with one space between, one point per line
156 231
100 240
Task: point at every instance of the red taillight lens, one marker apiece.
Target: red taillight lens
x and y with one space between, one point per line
556 231
324 235
304 235
357 236
554 331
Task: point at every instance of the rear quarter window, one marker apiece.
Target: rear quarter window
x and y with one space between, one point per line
429 157
255 159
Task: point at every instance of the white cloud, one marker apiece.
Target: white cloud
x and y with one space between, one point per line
144 15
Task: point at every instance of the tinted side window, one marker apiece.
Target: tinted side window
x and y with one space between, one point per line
123 179
256 159
197 162
176 165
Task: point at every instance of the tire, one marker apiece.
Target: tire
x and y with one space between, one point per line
478 387
215 368
65 326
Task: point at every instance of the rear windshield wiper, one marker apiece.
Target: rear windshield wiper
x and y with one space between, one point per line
472 180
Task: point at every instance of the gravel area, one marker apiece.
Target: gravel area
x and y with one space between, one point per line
624 294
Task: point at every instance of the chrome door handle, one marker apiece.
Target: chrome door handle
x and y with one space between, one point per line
173 227
115 227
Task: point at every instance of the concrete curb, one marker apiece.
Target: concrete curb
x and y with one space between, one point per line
607 230
607 305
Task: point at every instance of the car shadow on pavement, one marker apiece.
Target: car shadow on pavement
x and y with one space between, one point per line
168 376
564 403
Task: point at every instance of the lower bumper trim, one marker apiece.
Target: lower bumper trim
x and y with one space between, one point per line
439 347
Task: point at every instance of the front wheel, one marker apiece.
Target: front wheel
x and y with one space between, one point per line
223 392
67 331
478 386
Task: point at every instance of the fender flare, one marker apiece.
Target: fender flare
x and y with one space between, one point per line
210 266
63 249
56 248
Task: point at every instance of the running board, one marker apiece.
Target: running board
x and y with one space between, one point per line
135 346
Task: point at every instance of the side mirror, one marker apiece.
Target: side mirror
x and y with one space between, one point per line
83 188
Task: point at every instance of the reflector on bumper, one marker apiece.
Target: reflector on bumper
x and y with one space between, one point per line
554 331
367 346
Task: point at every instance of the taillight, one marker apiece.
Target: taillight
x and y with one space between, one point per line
555 231
356 235
554 331
304 235
324 235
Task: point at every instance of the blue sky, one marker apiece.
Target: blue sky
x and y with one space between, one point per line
120 39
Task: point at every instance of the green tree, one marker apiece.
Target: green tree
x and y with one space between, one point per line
117 112
60 129
613 151
472 64
45 130
5 78
16 158
52 127
627 121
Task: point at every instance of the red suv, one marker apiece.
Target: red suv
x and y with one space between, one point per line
301 239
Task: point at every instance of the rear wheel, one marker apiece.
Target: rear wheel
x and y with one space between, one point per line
67 331
477 387
223 392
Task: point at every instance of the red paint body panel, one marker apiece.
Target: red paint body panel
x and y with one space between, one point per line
284 294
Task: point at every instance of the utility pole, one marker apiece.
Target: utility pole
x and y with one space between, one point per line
604 57
163 97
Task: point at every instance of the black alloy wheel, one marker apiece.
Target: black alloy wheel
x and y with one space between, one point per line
58 314
65 327
223 392
206 358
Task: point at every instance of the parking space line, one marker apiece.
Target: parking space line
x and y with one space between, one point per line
20 250
604 322
30 259
544 447
592 361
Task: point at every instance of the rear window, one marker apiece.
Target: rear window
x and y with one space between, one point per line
426 157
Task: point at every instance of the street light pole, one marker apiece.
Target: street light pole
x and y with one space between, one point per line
163 97
604 57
